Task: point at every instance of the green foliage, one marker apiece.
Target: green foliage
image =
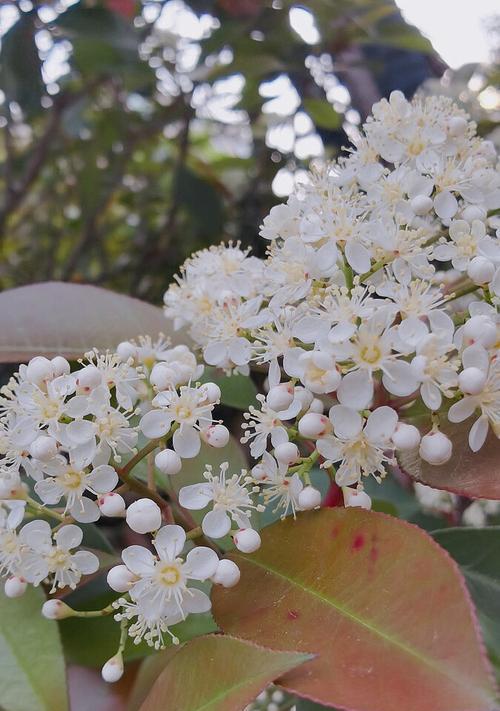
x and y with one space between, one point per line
32 674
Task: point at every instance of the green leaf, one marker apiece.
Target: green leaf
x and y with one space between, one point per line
379 603
201 201
322 113
20 65
53 318
238 391
477 551
216 673
32 674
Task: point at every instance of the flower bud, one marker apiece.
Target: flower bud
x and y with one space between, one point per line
15 586
259 472
168 462
43 448
314 425
56 610
88 378
286 453
480 329
405 436
227 574
356 499
316 406
60 366
163 376
112 505
309 498
39 370
280 397
144 516
421 204
457 126
473 212
472 380
216 436
212 393
120 578
304 396
481 270
113 669
126 350
435 448
247 540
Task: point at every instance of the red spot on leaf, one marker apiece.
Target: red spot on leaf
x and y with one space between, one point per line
292 614
336 530
358 542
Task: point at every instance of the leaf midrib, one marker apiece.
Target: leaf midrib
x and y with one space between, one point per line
427 661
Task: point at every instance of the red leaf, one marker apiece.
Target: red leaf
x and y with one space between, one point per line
468 473
54 318
216 673
382 605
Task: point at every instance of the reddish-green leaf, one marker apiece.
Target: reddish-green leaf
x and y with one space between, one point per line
217 673
53 318
384 608
468 473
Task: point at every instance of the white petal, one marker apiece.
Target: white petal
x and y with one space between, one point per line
356 390
341 332
329 448
37 535
431 395
80 431
85 511
462 409
49 491
400 379
478 433
201 562
358 257
86 562
103 479
170 540
155 423
445 205
68 537
381 424
196 601
186 442
216 524
138 560
347 422
240 351
215 353
476 356
412 330
195 496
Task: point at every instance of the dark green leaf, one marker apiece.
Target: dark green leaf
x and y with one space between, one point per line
322 113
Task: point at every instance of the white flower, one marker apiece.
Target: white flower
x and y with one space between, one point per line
467 241
71 480
161 595
360 447
189 409
265 423
229 496
278 488
42 558
487 401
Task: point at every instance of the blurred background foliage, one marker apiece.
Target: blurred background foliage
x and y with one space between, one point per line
136 132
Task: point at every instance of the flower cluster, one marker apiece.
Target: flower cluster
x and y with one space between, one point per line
376 310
